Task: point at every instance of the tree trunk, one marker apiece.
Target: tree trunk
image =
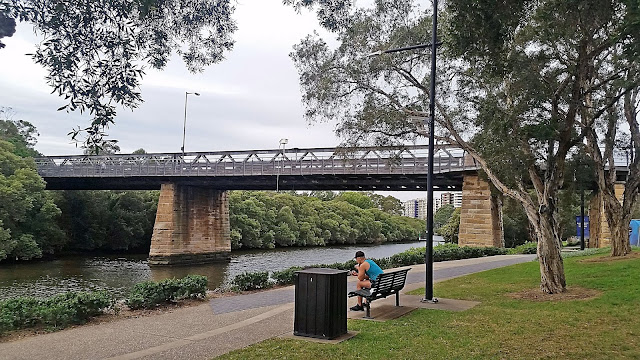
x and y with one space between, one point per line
618 220
595 219
552 280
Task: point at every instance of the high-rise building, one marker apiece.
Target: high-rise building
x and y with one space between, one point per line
457 199
446 198
454 199
416 208
410 208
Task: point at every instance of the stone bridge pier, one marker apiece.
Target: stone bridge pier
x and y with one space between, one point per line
480 215
192 226
599 233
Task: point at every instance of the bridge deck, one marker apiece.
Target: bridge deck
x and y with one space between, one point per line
291 169
379 168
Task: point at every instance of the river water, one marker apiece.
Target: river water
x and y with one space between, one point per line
118 274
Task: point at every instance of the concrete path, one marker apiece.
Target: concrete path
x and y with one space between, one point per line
208 330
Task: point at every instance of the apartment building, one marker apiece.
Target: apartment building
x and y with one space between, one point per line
416 208
451 198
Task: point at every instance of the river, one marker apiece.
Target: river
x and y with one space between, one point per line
119 273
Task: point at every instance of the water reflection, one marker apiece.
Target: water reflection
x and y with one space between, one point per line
118 274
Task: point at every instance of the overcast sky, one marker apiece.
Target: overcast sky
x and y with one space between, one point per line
249 101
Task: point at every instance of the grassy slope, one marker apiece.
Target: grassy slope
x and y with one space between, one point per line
500 327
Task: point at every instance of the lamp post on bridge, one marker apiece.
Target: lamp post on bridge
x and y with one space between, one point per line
184 125
283 144
428 297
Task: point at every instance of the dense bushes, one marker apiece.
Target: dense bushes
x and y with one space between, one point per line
78 307
107 220
252 281
445 252
27 213
123 220
148 294
262 219
57 311
530 247
286 276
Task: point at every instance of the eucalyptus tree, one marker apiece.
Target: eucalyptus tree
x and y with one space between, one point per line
511 90
609 114
531 79
606 136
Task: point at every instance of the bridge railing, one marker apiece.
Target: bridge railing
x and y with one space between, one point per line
312 161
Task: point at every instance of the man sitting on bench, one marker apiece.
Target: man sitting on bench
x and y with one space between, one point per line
367 273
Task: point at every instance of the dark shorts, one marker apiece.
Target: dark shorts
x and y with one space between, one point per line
373 283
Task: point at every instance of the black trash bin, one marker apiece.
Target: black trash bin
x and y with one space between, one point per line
321 303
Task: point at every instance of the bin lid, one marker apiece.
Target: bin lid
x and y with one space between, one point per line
322 271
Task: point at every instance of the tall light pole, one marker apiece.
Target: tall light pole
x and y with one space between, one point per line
428 291
283 144
428 296
184 125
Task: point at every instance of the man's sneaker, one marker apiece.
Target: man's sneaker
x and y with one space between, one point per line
357 308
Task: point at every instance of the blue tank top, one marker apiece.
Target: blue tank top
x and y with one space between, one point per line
374 270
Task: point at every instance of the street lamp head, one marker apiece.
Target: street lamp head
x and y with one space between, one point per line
197 94
284 141
194 93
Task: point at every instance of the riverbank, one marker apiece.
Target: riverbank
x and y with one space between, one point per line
206 330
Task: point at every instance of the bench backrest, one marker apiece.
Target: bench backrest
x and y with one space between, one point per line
391 281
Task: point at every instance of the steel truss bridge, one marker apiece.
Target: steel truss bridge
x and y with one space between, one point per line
379 168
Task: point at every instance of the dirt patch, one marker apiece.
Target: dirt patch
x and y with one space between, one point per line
572 293
609 258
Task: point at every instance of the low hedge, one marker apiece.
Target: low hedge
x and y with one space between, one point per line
148 294
286 276
252 281
54 312
444 252
530 247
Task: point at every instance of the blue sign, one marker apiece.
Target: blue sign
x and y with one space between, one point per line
586 226
634 232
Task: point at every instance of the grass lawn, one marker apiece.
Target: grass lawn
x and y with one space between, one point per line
501 327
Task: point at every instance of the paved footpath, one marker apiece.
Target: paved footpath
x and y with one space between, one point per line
207 330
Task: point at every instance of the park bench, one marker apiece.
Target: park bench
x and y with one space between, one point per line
387 284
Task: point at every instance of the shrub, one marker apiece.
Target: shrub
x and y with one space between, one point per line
530 247
75 307
349 265
148 294
285 277
410 257
194 286
57 311
252 281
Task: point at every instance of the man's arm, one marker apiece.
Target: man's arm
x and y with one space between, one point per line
362 271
